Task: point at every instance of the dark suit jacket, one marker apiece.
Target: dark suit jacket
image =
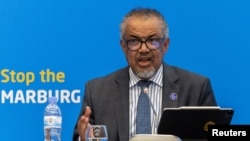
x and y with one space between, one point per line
108 97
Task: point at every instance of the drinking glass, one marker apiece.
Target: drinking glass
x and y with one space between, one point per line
97 133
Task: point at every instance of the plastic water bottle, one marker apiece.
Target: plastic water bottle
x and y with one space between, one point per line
52 121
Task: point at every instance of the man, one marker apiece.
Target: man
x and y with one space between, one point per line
112 100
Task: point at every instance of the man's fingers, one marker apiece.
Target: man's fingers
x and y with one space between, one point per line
87 112
83 122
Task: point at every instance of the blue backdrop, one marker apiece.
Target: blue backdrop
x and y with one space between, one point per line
52 47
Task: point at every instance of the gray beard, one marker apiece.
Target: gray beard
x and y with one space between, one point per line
146 74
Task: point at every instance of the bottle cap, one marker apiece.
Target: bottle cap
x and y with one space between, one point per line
52 99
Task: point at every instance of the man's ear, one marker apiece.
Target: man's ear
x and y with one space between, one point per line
166 44
123 45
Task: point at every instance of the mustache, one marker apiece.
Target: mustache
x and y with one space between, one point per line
144 58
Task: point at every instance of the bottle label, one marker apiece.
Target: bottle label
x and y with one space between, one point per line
52 121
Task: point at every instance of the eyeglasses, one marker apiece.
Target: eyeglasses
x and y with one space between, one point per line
151 43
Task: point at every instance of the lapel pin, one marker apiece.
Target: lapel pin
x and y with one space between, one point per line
173 96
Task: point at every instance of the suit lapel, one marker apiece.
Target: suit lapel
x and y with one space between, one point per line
121 98
170 88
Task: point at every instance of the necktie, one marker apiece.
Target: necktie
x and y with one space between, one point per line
143 122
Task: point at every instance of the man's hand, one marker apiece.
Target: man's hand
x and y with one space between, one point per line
83 123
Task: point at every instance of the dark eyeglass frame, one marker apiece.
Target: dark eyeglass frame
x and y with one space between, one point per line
146 42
